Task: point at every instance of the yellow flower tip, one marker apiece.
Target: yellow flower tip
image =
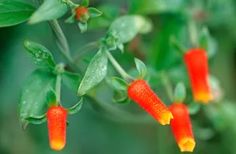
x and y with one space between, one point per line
165 118
57 145
204 97
187 145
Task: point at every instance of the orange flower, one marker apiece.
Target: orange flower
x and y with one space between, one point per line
56 117
182 128
82 13
140 92
197 66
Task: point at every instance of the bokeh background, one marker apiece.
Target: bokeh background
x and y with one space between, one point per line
124 128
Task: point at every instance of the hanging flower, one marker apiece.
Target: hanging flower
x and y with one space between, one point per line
181 127
140 92
197 66
56 118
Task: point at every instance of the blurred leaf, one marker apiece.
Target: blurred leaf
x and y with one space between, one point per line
193 108
179 92
49 10
85 3
93 12
76 108
207 42
71 80
83 26
165 55
120 97
155 6
118 83
141 67
51 97
95 72
42 56
34 102
36 120
14 12
127 27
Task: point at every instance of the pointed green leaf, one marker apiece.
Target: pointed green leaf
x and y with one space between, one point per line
141 67
118 83
49 10
76 108
14 12
95 72
34 100
93 12
180 92
41 55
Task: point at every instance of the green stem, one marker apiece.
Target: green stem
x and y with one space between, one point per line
58 89
70 3
192 30
61 39
118 68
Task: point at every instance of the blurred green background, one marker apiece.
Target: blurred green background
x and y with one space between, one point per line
96 130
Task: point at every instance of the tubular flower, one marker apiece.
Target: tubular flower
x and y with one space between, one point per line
140 92
56 119
182 128
197 66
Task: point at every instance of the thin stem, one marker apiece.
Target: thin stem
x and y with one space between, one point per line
192 30
61 39
70 3
118 68
58 89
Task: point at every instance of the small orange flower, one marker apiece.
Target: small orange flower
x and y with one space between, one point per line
182 128
82 13
56 119
140 92
197 66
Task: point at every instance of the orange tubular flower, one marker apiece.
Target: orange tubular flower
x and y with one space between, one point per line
182 128
56 117
197 66
140 92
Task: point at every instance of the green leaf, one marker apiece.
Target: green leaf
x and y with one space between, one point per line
118 83
207 42
180 92
41 55
49 10
14 12
93 12
95 72
127 27
36 120
71 80
34 100
141 67
76 108
193 108
83 26
120 97
85 3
